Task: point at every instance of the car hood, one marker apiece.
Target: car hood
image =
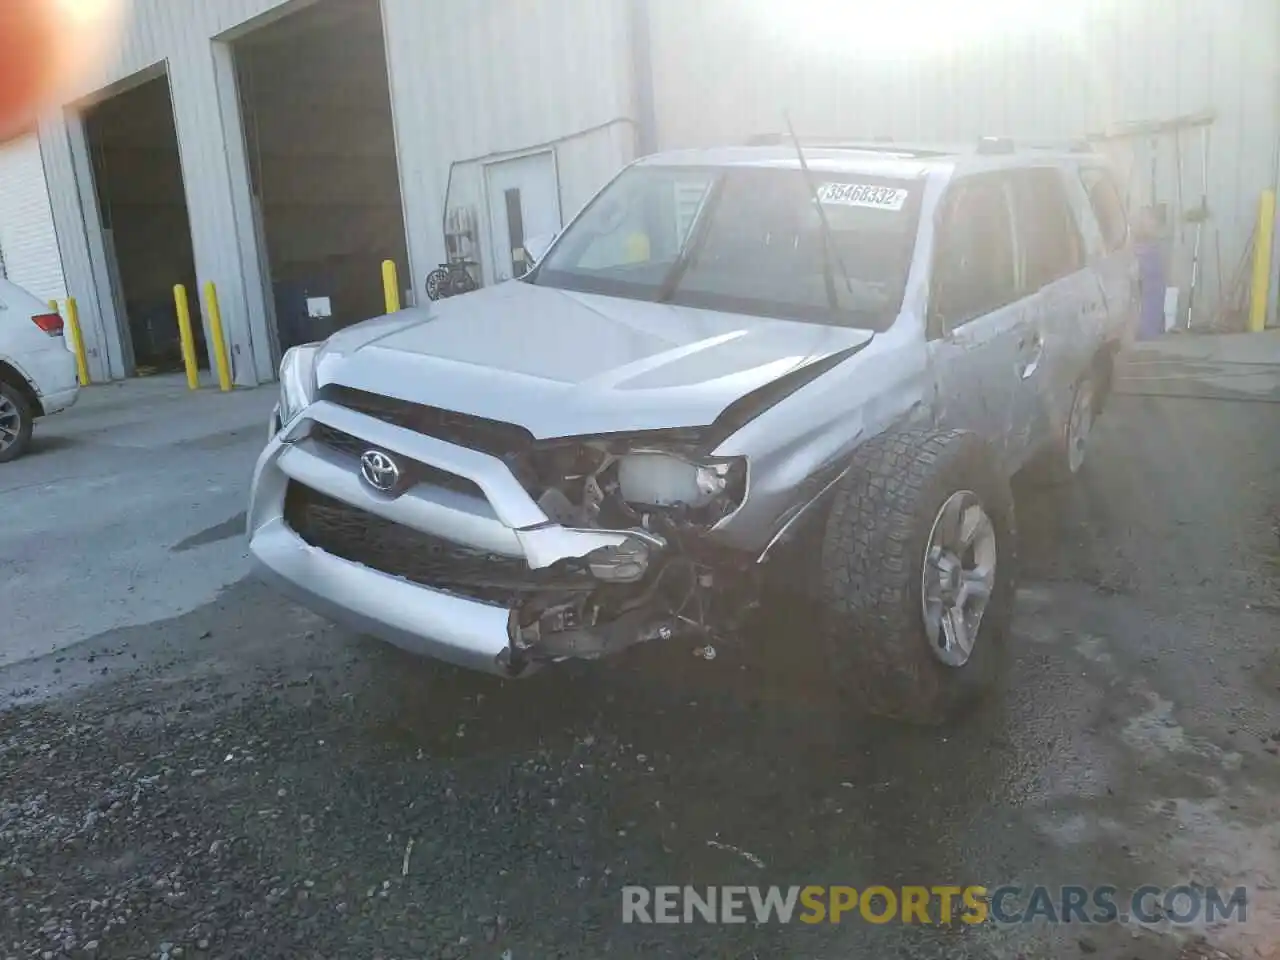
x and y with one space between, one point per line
561 363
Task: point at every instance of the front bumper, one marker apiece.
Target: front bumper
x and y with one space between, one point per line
499 518
423 621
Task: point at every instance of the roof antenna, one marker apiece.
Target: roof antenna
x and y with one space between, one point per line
828 238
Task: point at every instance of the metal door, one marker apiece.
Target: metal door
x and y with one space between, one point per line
985 357
524 201
983 372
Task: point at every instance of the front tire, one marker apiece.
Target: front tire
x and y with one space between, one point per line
16 421
918 572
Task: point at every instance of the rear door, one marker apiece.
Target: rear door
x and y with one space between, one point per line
1114 260
979 329
1063 297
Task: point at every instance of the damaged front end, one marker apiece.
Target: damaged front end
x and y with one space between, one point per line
623 556
531 550
664 577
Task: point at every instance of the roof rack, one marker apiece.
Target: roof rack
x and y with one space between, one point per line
884 145
1006 145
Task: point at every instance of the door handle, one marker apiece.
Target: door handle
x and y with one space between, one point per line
1031 349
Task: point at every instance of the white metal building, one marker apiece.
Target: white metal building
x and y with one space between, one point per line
28 244
282 148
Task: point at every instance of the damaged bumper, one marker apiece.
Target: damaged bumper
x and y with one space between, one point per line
457 562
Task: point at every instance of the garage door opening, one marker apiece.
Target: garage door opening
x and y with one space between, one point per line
316 108
137 175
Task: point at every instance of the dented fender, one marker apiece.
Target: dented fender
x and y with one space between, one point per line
795 447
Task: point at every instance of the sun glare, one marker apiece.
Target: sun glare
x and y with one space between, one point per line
898 27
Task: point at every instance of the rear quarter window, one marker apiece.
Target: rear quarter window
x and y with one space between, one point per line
1108 206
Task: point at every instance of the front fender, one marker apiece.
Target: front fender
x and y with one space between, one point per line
796 448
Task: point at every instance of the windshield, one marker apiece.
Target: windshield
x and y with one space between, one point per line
746 240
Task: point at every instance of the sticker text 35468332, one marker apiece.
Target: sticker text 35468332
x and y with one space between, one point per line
862 195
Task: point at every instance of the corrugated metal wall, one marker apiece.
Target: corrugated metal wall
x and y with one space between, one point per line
725 69
172 35
480 80
470 82
27 239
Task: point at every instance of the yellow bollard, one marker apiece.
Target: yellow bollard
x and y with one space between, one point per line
77 341
219 342
1262 261
390 286
187 337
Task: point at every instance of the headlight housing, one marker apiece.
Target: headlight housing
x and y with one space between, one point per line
297 381
663 479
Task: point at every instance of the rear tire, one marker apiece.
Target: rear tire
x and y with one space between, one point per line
16 421
882 527
1062 461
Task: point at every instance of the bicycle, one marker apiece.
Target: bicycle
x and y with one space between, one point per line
450 279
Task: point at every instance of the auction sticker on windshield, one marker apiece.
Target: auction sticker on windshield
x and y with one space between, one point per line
862 195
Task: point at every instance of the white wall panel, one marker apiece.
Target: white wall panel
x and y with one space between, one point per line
27 239
487 78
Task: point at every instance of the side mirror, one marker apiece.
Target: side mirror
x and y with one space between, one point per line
536 247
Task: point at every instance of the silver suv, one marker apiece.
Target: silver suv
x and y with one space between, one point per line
731 362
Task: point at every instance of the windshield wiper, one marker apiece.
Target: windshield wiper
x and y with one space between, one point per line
697 234
829 248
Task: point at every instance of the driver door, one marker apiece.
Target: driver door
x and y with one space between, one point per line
982 336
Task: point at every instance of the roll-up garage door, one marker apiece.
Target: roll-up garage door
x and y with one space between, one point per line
28 244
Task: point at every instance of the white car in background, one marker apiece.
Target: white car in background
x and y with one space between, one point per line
37 368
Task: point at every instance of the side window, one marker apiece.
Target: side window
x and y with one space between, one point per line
1047 231
974 270
1107 206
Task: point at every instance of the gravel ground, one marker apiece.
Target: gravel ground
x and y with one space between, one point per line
248 781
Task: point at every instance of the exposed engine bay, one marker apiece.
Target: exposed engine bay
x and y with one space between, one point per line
666 579
612 484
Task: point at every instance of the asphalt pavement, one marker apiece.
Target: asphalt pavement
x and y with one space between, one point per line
191 766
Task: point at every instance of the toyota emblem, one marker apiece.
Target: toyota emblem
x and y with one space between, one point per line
379 471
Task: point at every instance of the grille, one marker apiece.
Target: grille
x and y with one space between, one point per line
361 537
476 433
354 447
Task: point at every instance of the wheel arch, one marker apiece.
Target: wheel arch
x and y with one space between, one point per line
818 490
17 379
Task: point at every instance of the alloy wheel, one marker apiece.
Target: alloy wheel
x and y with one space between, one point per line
10 423
958 577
